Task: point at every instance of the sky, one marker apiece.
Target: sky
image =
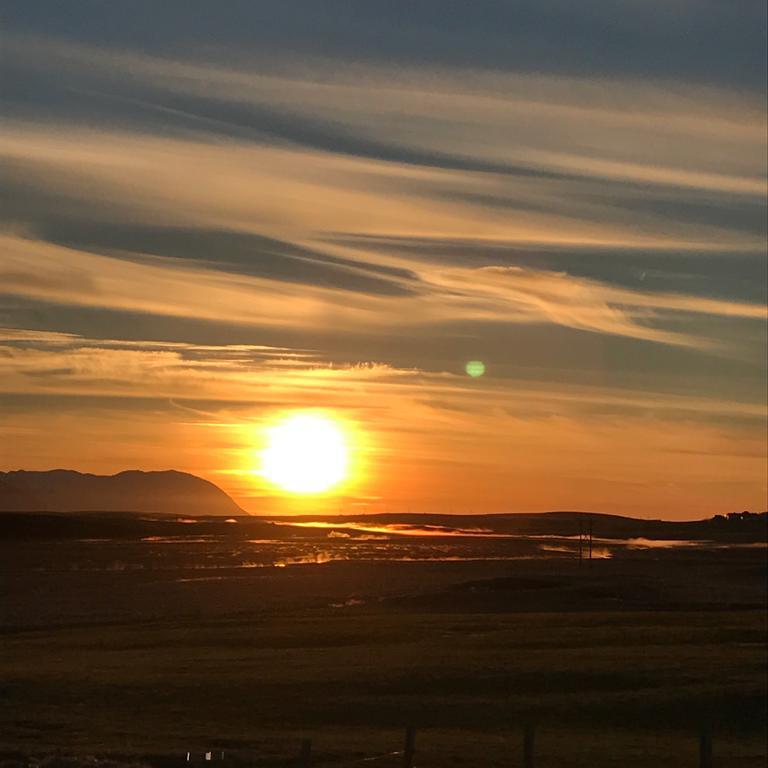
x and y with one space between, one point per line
212 214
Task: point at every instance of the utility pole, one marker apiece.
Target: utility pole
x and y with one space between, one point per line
529 741
409 749
705 746
305 754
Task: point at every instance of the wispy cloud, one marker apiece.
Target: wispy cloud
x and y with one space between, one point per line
500 294
523 443
363 220
238 373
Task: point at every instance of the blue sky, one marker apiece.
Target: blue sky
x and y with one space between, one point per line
212 212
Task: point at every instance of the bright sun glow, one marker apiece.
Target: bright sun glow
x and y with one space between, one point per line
305 453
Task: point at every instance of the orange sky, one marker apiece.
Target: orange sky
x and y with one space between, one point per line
198 246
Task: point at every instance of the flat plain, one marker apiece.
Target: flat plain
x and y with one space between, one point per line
621 663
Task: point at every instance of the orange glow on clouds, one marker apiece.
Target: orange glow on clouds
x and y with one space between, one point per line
533 223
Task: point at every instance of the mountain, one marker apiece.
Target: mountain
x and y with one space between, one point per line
63 490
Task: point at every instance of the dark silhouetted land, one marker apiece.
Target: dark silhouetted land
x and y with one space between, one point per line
63 490
142 638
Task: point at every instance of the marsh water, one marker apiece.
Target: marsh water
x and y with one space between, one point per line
200 573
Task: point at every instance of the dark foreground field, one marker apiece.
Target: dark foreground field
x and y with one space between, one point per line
623 689
620 663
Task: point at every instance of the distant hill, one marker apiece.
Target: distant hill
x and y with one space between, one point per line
116 524
733 527
63 490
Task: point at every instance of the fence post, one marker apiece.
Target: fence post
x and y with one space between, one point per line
409 750
529 741
305 754
705 746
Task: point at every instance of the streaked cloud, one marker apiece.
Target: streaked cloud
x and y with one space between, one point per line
504 432
349 223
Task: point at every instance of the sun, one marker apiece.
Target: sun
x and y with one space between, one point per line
305 453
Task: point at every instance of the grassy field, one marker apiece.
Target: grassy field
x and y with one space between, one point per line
608 689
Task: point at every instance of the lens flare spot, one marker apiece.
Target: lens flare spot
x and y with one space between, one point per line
475 368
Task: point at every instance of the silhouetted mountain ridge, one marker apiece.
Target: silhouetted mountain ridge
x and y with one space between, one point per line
64 490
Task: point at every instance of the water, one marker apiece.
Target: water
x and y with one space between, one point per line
362 544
